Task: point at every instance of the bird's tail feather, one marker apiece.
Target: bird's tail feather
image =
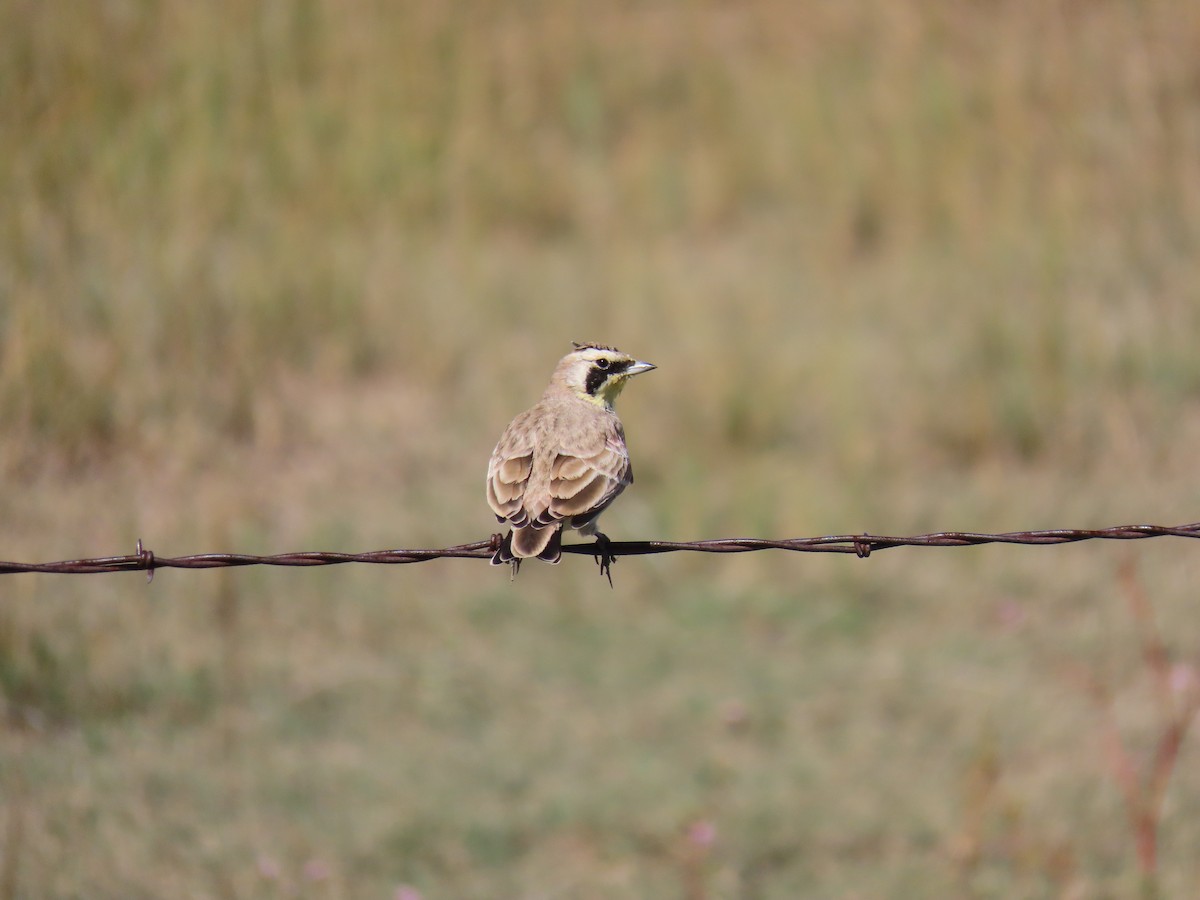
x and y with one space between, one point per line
552 552
523 543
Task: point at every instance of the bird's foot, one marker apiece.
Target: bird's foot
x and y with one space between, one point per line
604 556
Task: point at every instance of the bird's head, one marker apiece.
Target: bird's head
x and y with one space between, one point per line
596 373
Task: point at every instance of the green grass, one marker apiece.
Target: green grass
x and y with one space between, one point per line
275 278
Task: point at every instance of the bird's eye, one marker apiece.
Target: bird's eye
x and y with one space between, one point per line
602 364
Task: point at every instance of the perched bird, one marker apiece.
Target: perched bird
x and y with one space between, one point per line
561 463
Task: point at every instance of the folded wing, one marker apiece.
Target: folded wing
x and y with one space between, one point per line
508 477
585 480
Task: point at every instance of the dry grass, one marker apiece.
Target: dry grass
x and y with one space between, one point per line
273 277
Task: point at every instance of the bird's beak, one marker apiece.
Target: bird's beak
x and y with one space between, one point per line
639 367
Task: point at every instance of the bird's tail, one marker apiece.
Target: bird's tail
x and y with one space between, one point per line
527 542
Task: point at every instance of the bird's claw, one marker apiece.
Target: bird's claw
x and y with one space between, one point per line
604 556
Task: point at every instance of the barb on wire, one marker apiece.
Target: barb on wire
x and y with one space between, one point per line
862 545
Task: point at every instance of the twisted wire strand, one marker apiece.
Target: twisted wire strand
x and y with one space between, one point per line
862 545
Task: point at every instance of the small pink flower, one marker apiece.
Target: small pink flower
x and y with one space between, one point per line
316 870
734 715
702 834
1184 680
1011 615
268 868
406 892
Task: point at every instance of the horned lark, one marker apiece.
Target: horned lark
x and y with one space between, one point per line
561 463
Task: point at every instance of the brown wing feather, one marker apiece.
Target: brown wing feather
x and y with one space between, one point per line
508 474
572 483
582 486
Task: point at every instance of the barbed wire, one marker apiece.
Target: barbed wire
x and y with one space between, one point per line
862 545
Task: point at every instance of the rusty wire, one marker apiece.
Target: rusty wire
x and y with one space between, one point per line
862 545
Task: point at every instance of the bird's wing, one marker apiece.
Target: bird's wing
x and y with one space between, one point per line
508 474
587 475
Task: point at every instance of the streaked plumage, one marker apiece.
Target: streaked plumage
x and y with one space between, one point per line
561 463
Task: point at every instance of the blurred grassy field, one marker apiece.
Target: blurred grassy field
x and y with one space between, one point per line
274 276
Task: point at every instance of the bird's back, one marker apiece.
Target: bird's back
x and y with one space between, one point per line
543 442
